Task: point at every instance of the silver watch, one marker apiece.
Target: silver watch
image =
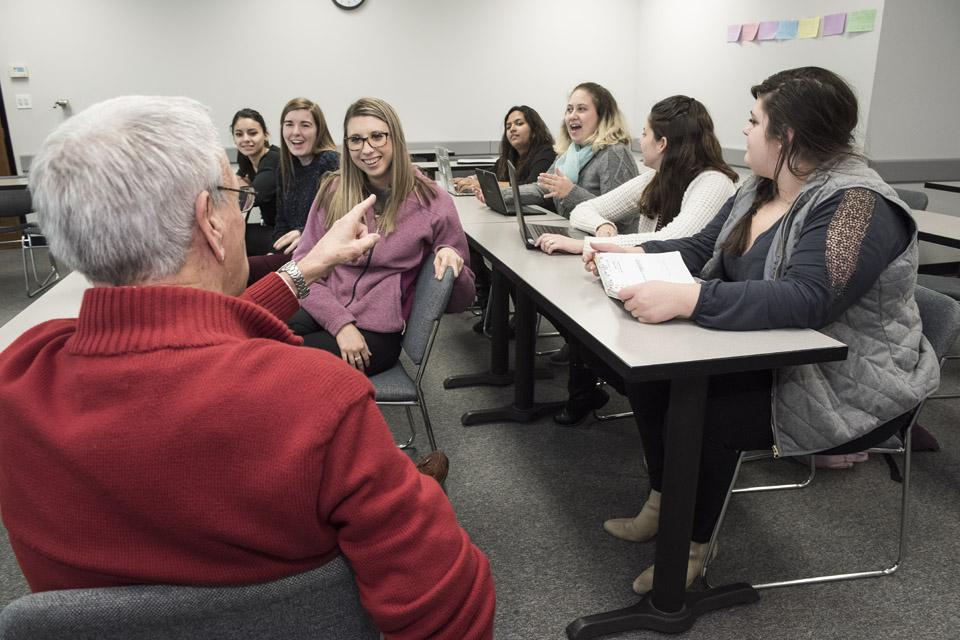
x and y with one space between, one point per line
293 271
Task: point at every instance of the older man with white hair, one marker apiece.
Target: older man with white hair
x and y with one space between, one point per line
175 432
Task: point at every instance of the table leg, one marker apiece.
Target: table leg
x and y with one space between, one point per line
669 608
499 374
523 409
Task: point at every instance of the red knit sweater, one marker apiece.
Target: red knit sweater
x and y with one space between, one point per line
174 435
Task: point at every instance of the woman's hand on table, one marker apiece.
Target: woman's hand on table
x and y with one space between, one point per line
553 242
658 301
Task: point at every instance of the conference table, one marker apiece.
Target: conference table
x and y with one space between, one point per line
938 228
953 186
13 182
61 301
679 351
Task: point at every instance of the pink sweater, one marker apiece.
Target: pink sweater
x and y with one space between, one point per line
377 304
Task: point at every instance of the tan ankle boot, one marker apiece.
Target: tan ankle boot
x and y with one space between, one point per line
698 553
640 528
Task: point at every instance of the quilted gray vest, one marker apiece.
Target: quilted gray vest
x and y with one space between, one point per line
890 365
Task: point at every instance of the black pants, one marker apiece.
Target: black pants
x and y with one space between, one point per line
737 418
259 239
384 347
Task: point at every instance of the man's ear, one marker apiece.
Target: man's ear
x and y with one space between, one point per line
210 224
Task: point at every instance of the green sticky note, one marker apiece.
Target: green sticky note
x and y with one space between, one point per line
863 20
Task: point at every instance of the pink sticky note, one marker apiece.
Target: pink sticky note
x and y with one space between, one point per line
833 24
750 31
733 32
768 30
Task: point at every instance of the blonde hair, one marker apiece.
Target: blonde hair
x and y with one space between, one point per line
323 141
612 126
342 190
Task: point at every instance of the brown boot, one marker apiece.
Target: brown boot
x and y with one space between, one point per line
641 527
435 464
698 553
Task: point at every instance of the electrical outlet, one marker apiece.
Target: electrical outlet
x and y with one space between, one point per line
23 101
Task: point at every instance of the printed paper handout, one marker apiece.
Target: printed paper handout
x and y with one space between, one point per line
618 270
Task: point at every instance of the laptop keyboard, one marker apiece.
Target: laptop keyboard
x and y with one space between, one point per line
538 230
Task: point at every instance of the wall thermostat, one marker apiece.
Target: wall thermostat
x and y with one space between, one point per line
19 71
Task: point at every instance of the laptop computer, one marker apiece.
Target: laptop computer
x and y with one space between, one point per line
529 232
445 174
494 197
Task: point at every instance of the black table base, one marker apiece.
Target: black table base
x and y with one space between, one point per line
644 615
510 413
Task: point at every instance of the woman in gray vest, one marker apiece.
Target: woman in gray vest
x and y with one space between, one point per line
815 239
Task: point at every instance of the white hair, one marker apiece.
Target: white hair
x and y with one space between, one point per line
115 186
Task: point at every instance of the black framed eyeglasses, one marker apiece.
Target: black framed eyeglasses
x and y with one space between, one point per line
376 139
246 196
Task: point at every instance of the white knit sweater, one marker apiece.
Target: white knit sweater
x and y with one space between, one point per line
701 201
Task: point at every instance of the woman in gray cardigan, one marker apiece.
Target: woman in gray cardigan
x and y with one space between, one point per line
815 239
594 157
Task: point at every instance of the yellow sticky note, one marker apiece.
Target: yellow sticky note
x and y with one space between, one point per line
809 27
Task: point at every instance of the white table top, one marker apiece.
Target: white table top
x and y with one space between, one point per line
472 211
61 301
648 350
939 228
13 182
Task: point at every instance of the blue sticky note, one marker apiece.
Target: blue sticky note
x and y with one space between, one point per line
788 29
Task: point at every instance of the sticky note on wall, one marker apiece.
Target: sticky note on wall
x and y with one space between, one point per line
809 27
768 30
733 32
749 32
834 23
860 21
787 30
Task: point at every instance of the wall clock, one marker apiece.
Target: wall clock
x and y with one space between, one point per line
348 4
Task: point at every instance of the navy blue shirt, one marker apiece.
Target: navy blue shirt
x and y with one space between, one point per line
846 243
294 200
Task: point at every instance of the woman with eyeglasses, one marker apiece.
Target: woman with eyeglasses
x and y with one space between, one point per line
258 162
360 311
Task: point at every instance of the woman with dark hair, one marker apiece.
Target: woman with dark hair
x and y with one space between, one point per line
593 150
358 312
688 184
526 142
258 162
814 239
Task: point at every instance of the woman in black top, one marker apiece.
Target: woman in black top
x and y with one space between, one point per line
258 162
307 153
526 142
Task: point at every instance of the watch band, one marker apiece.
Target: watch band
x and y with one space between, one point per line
293 271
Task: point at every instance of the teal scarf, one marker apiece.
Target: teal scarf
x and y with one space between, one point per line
573 160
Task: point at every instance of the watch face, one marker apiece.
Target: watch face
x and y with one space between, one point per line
348 4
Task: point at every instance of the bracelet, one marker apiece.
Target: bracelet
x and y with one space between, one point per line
292 270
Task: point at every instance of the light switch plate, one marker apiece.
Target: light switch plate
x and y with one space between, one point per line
23 101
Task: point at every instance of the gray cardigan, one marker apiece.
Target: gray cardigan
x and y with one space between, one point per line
608 169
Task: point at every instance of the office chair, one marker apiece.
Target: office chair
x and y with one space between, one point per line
915 199
395 387
940 316
322 603
16 203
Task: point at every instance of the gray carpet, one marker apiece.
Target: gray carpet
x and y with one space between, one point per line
533 498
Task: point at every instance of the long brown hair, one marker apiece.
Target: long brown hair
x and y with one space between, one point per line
323 142
342 190
820 110
692 148
539 137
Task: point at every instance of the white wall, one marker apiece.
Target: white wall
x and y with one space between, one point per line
691 56
450 67
916 104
